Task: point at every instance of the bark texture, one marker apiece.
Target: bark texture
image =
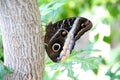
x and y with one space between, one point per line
22 39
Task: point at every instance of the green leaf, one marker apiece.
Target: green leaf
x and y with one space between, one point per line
57 5
69 68
95 71
96 37
75 54
102 60
1 48
109 73
89 63
113 72
113 9
46 75
107 39
4 70
106 20
54 66
50 10
54 77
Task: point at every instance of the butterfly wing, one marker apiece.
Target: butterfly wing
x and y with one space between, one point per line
56 35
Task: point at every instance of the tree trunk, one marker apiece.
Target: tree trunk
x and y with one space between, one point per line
22 39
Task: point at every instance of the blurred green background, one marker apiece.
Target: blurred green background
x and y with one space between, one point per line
102 54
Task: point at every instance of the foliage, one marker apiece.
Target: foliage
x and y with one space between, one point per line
1 49
4 70
115 75
50 11
74 59
83 62
68 8
53 10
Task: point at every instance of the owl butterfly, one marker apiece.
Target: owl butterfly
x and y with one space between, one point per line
60 37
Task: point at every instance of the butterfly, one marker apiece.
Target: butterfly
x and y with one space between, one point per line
61 36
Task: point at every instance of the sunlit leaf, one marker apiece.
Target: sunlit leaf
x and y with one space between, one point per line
96 37
114 75
57 72
49 11
89 63
107 39
113 9
46 76
105 20
70 71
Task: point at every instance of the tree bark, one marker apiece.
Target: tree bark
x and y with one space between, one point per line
22 39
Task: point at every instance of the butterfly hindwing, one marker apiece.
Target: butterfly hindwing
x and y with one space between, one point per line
56 34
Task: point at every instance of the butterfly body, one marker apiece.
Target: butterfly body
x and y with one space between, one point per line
60 37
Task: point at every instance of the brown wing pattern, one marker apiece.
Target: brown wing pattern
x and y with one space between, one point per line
56 34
